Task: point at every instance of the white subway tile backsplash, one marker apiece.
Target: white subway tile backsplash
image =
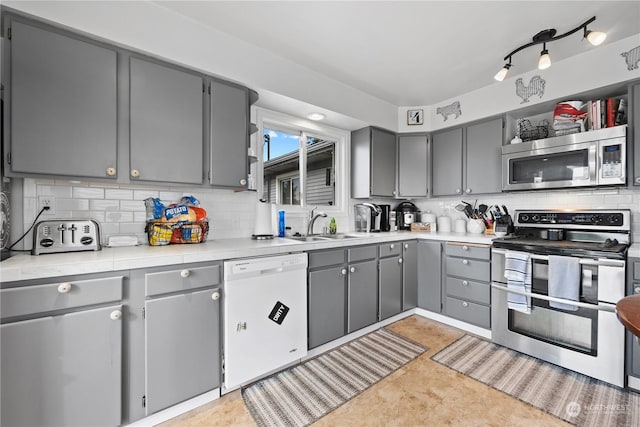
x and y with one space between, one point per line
88 193
104 205
72 204
119 217
131 228
109 228
119 194
132 205
171 196
144 194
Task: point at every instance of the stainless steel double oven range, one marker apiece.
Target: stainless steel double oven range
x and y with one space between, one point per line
584 336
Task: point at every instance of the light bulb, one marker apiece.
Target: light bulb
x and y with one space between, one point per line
596 37
500 75
545 60
316 116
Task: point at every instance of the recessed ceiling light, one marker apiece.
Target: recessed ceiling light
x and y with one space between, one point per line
316 116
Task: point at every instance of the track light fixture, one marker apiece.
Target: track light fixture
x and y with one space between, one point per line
546 36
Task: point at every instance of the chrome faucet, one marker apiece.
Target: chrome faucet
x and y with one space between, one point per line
312 220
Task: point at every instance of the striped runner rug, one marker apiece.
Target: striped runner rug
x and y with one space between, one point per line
573 397
304 393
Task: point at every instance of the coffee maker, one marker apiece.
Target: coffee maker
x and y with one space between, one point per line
368 217
406 213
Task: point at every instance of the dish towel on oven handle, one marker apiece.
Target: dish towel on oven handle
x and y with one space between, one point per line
517 271
564 281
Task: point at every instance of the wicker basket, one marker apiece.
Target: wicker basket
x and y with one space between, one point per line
529 132
161 233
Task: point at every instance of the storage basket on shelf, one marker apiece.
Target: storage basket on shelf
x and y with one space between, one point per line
528 132
160 233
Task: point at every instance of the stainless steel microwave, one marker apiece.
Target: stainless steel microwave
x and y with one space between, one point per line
586 159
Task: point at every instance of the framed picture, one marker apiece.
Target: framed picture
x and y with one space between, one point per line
415 117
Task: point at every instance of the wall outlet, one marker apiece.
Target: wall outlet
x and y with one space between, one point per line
47 201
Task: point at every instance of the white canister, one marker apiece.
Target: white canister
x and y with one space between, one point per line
429 218
475 226
460 226
444 224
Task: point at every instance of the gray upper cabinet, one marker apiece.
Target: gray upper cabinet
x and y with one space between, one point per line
447 163
166 119
412 166
634 121
229 135
373 163
467 160
62 105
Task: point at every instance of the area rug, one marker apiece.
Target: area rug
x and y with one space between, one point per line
304 393
573 397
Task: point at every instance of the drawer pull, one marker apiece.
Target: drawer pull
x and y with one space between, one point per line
64 288
215 296
185 273
352 269
406 246
343 271
465 248
465 304
116 315
465 261
399 260
135 173
465 283
111 171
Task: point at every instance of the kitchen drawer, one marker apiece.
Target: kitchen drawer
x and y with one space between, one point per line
58 296
183 279
468 311
468 250
326 258
390 249
468 268
468 290
361 253
636 271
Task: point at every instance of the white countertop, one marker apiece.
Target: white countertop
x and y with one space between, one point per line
634 251
25 266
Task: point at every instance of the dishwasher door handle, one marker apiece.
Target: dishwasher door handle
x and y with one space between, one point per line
271 270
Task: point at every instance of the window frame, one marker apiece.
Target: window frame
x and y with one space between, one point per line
280 121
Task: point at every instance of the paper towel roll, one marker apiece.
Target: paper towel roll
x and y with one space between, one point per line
263 225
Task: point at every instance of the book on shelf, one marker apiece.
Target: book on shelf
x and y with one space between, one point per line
607 112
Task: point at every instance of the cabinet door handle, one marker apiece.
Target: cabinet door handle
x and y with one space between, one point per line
352 269
465 304
115 315
343 271
638 180
465 261
111 171
406 246
465 283
215 296
135 173
636 290
468 191
185 273
399 260
458 191
465 248
391 246
243 181
64 288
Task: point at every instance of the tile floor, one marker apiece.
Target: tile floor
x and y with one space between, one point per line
422 393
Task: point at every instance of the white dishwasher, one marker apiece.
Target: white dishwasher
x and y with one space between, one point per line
265 315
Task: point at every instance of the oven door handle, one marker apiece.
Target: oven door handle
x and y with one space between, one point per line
583 261
601 306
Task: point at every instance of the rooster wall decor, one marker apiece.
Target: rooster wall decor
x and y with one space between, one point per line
536 87
632 58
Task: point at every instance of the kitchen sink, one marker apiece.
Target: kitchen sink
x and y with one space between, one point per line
326 237
309 238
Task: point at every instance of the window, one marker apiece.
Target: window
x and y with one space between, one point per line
301 162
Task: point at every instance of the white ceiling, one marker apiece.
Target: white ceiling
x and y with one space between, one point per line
411 52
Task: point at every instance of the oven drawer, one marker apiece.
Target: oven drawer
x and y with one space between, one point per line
468 250
468 311
469 268
468 290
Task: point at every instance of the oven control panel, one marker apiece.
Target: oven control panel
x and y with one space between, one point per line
575 218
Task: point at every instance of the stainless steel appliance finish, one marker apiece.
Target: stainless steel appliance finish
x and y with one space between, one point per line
53 236
368 217
406 213
595 158
588 339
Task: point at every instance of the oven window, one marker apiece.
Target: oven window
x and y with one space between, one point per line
568 166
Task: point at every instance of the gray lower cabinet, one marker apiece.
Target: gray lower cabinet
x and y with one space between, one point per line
373 163
467 283
182 334
409 275
467 159
166 123
62 352
633 343
413 166
61 105
430 275
229 135
343 292
390 265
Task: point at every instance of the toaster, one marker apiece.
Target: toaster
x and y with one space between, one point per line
66 235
